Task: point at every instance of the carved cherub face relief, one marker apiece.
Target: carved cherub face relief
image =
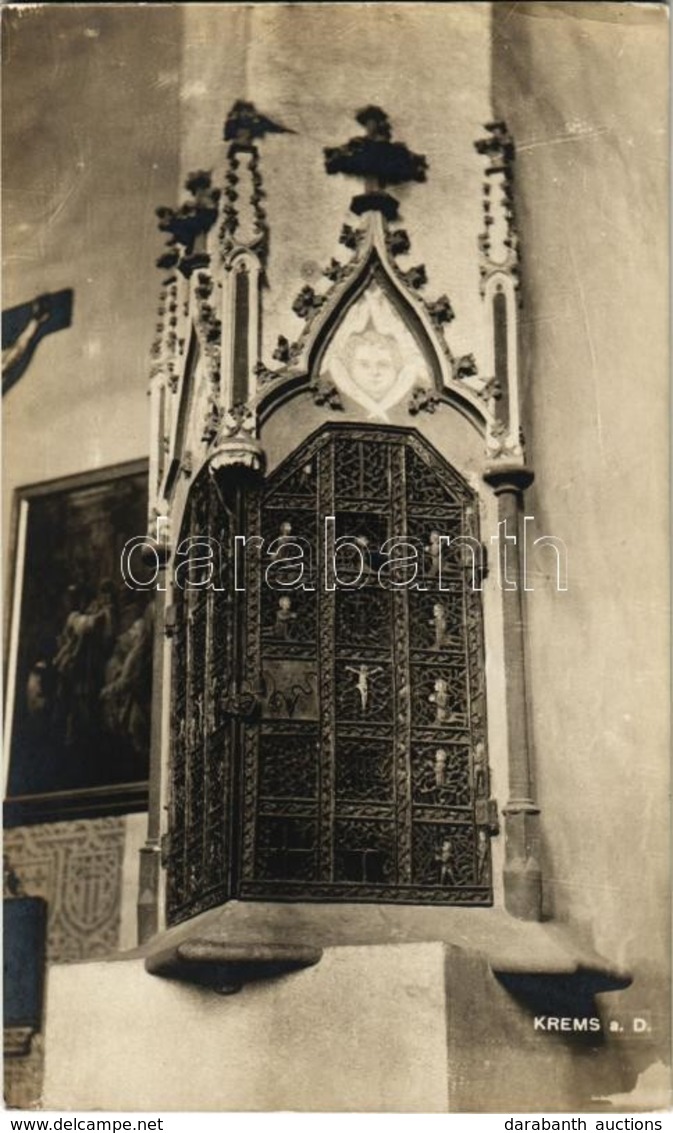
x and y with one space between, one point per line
374 357
373 362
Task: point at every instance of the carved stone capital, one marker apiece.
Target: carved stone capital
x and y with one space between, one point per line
238 452
522 875
508 477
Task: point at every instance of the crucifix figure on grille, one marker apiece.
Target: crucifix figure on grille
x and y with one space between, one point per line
480 770
434 777
440 699
482 854
444 859
363 674
285 616
434 550
438 622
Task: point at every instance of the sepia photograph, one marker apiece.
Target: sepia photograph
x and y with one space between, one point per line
335 390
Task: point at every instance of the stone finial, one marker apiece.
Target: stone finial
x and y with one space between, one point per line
378 160
188 225
497 145
499 241
244 221
244 124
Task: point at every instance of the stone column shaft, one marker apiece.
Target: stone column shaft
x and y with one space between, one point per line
150 854
522 874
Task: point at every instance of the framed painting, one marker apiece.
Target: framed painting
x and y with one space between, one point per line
79 652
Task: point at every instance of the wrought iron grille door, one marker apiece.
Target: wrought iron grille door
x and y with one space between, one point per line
198 853
365 768
328 739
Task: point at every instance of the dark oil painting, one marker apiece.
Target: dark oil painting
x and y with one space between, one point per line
82 687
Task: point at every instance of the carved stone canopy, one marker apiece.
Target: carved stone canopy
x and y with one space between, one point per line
366 308
372 301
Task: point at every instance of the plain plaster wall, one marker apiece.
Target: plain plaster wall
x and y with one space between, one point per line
583 89
90 141
310 67
382 1046
90 147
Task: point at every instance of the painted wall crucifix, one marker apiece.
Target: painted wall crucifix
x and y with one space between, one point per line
24 326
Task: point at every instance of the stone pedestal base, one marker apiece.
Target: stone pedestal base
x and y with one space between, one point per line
390 1028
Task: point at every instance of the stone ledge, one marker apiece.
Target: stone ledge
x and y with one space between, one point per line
226 967
250 940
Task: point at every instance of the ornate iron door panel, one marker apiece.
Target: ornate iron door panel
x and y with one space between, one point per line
198 856
365 772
